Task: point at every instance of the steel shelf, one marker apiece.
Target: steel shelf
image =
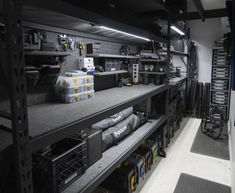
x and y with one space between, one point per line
51 122
46 53
156 73
110 73
66 10
112 56
113 157
177 80
174 52
152 60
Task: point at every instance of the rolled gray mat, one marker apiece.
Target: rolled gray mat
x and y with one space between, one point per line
113 120
115 134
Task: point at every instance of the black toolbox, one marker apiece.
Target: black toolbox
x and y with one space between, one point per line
63 163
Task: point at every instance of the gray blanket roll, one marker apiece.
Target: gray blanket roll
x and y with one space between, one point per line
113 120
115 134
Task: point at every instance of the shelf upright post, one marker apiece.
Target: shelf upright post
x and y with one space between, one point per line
167 91
17 85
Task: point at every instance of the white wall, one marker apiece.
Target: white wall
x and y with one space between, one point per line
204 35
232 138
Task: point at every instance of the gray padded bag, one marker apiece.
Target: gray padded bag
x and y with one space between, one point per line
115 134
113 120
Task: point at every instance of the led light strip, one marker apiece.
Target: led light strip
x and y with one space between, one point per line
177 30
124 33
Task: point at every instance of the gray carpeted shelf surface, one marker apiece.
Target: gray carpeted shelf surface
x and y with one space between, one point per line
207 146
192 184
50 116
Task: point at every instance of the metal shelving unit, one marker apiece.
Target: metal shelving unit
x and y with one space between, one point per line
25 123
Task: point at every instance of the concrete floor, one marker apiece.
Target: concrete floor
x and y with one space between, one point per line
179 159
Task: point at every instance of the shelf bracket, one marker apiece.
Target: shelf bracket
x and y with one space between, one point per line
182 59
17 85
200 9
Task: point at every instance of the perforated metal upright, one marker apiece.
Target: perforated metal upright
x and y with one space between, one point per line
220 79
14 63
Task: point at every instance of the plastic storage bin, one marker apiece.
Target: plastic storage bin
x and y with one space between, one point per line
70 82
61 165
88 87
72 98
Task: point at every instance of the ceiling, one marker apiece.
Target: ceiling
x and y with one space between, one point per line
207 4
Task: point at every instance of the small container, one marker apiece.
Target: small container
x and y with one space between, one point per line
89 87
73 90
70 82
89 79
89 94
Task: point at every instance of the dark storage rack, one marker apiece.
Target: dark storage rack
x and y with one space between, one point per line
37 126
220 79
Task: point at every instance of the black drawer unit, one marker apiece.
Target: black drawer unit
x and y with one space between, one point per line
220 80
220 85
221 72
218 97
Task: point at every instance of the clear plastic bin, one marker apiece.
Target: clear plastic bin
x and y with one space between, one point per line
70 82
72 98
60 90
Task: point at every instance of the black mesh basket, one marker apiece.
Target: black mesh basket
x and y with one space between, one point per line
63 163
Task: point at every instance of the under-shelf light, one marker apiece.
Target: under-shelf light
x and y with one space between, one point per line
124 33
177 30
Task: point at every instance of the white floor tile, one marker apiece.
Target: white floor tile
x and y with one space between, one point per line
181 160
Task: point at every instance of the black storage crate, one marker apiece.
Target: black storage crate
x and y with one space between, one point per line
60 165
